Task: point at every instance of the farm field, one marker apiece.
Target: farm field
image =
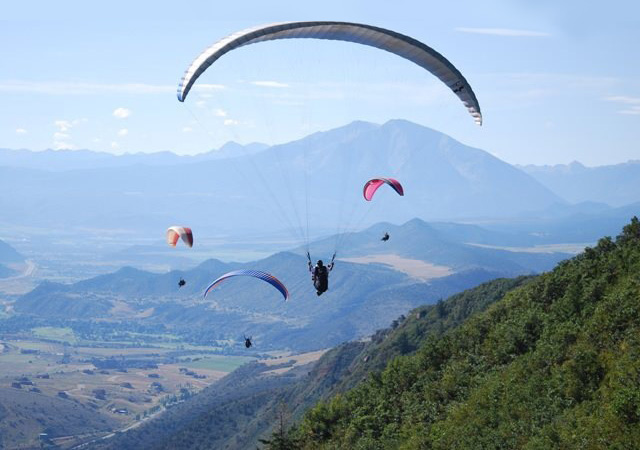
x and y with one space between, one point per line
122 382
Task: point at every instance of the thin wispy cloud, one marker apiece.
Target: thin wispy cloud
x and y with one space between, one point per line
273 84
563 80
121 113
509 32
21 131
81 88
624 99
231 122
288 102
62 146
631 104
633 111
187 129
220 112
430 92
198 87
538 86
123 132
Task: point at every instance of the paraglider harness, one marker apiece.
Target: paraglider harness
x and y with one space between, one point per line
181 283
385 238
247 342
320 274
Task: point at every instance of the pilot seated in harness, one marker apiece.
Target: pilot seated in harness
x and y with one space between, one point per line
320 275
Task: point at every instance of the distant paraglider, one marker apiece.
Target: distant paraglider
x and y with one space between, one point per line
176 232
385 238
273 281
247 342
371 186
173 234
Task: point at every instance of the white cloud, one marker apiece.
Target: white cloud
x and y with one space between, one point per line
201 103
624 99
115 145
62 136
220 112
67 88
503 32
187 129
229 122
59 136
121 113
633 110
520 90
274 84
207 87
288 102
63 125
62 146
66 125
301 94
632 104
123 132
21 131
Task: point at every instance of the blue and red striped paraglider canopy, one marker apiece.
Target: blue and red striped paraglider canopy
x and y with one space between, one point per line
264 276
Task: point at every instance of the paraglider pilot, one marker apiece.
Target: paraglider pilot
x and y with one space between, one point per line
181 283
385 238
247 342
320 274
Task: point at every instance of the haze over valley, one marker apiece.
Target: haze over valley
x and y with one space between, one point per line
91 300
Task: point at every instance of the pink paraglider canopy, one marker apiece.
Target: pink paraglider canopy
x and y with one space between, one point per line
372 186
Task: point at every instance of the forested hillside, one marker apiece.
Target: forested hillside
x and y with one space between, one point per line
554 364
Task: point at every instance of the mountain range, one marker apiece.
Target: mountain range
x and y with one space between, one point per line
373 283
316 180
616 185
63 160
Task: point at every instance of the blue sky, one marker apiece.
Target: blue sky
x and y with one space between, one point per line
557 81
